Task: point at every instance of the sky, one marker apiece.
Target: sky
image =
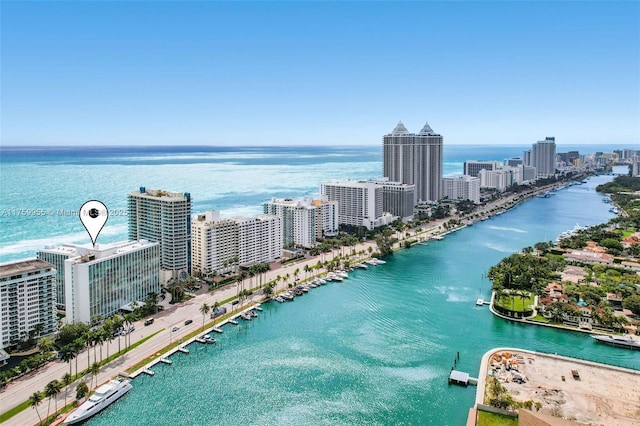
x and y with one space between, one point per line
317 73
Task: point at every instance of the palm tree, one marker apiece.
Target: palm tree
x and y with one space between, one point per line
67 379
51 390
34 400
204 310
45 345
81 390
95 370
78 346
296 273
118 322
88 341
66 355
129 319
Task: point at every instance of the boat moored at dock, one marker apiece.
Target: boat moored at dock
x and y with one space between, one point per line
622 341
104 396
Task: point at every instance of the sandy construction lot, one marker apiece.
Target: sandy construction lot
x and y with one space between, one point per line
598 395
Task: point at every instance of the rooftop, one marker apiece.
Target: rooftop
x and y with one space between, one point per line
23 266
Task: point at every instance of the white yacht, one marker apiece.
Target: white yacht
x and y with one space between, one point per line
104 396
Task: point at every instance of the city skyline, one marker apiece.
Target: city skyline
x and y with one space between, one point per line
227 74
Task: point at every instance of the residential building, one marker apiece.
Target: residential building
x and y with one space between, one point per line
514 162
499 179
415 159
635 166
163 217
473 167
299 220
360 203
27 298
101 280
543 157
397 198
327 217
462 188
222 245
57 255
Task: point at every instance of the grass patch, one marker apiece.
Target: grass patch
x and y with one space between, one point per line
12 412
493 419
540 318
515 303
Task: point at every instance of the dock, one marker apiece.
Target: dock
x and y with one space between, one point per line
183 349
148 372
166 361
461 378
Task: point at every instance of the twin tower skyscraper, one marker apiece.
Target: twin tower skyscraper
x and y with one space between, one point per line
415 159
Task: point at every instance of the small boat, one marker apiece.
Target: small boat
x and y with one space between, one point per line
208 339
305 289
287 296
360 266
104 396
342 274
298 292
380 262
313 285
321 281
245 316
257 308
279 299
252 314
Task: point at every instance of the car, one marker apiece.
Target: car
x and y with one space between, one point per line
175 329
187 322
148 321
235 302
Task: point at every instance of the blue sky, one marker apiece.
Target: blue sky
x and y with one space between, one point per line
318 73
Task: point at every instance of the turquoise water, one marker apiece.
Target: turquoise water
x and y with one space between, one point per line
376 348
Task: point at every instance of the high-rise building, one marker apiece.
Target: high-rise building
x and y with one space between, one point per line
415 159
498 179
104 279
397 198
462 188
359 203
513 162
327 217
57 255
473 167
163 217
222 245
299 220
635 166
543 157
27 298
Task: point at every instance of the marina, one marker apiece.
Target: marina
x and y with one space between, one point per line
388 352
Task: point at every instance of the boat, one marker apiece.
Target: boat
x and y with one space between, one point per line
287 296
305 289
208 339
313 284
257 308
104 396
342 274
622 341
360 266
252 314
279 299
380 262
321 281
245 316
479 302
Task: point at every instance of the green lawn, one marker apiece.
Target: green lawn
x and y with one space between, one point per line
515 303
491 419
